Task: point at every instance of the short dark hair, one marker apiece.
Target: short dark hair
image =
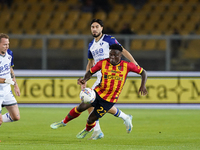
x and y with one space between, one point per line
116 47
99 21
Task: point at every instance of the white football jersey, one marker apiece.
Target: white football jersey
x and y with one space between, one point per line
100 50
5 63
6 96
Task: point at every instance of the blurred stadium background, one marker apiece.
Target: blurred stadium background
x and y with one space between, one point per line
54 34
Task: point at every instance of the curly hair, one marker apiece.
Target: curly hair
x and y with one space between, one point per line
116 47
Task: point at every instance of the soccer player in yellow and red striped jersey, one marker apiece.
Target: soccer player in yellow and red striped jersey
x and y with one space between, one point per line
114 72
98 50
113 78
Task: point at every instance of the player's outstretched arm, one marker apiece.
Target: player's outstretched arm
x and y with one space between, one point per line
129 56
89 65
143 90
85 79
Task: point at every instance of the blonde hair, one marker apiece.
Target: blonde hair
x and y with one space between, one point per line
3 35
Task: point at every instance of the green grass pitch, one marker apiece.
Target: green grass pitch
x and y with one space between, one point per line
153 129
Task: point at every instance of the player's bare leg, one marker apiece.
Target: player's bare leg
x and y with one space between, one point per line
97 133
90 109
12 115
1 119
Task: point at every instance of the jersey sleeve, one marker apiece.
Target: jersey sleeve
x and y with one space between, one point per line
111 40
11 54
90 56
96 67
132 67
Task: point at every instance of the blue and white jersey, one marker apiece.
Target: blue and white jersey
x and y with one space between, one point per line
6 96
6 62
100 50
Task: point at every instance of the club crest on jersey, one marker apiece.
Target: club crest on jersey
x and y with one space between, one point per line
101 44
9 57
138 66
119 67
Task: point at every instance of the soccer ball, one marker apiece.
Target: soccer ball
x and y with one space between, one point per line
87 95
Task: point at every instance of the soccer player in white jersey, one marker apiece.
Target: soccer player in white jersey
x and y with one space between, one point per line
99 50
7 78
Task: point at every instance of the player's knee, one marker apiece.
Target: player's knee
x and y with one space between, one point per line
113 110
1 121
16 118
82 107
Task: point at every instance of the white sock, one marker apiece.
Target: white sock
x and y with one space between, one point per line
97 126
120 114
6 118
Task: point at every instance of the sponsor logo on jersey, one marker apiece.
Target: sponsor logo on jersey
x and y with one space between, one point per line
113 77
116 41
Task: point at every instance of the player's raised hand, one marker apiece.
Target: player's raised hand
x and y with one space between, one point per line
81 81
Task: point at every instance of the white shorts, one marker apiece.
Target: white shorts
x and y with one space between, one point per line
6 98
98 79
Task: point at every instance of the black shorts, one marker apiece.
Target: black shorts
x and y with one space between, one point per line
101 106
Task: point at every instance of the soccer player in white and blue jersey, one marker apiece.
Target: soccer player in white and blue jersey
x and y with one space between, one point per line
7 78
99 50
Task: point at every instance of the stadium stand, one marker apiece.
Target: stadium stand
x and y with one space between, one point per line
37 44
54 44
101 15
192 50
137 44
61 8
67 44
15 43
59 31
26 43
150 45
156 17
79 44
161 45
31 32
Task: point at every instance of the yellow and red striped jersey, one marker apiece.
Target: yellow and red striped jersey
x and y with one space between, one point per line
113 78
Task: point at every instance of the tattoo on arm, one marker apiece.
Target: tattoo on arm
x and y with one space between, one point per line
12 73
